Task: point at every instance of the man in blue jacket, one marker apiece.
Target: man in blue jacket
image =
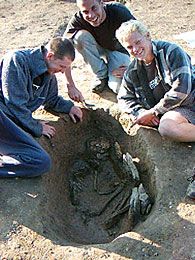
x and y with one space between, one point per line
27 81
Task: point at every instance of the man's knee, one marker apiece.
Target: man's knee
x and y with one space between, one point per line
170 125
82 38
164 128
169 129
45 165
41 164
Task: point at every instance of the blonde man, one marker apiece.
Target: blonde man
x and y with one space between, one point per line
158 88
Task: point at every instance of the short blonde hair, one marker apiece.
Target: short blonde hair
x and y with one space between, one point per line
129 27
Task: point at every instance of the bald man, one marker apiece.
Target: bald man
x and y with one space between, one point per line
92 30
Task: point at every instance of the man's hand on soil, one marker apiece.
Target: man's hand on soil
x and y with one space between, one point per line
76 114
48 130
147 118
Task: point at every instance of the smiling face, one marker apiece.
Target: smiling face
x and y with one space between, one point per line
93 11
56 65
140 46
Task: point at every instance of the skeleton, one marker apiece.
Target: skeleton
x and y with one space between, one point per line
125 194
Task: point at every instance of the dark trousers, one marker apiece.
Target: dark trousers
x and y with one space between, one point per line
20 154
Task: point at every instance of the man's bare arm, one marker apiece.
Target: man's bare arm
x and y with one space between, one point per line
73 91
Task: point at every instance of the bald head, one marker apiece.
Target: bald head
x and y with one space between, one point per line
92 11
84 2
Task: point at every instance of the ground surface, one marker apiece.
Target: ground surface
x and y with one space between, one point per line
36 221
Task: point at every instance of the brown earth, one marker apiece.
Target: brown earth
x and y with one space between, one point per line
37 220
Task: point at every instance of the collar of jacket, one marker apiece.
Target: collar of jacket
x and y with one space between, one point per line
37 61
154 48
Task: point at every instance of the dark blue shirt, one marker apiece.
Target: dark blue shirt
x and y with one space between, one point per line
21 92
104 34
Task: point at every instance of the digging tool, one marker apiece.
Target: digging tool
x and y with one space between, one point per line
87 105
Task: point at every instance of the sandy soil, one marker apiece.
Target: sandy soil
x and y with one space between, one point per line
36 219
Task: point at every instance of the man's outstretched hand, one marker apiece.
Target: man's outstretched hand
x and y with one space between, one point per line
75 94
76 114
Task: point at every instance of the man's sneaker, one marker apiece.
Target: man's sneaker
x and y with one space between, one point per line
191 188
99 85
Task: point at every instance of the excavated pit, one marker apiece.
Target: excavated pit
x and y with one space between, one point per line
90 196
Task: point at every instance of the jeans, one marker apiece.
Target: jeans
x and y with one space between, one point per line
102 61
20 154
